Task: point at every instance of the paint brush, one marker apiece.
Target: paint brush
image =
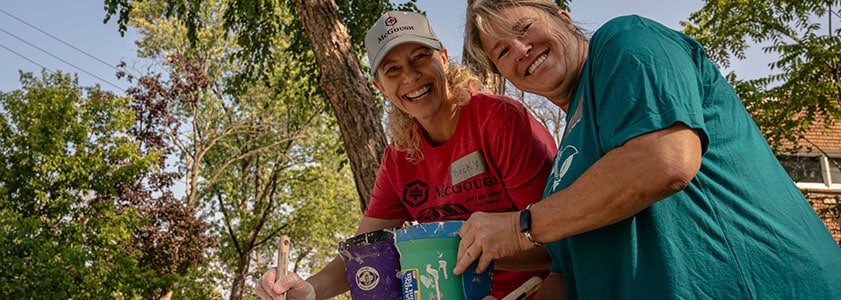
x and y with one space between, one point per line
282 259
525 290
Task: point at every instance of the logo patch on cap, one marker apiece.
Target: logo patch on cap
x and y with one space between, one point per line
390 21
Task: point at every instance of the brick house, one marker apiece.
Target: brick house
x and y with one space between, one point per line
815 169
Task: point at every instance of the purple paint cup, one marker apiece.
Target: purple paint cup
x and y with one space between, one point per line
372 264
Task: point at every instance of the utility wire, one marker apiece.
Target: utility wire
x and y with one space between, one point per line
62 60
24 57
58 39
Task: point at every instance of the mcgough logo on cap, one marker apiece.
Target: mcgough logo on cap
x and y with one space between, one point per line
392 31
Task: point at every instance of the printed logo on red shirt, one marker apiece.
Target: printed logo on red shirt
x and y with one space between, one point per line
456 202
455 211
415 194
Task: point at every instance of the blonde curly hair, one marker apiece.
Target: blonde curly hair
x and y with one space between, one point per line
404 130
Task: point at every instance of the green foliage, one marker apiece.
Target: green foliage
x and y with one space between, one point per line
65 149
563 4
321 208
257 144
265 31
806 83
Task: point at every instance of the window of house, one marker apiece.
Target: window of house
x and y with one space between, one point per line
835 171
813 171
803 168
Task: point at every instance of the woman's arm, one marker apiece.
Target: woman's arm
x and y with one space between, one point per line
625 181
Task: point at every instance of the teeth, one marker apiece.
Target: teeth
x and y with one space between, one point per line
418 93
537 62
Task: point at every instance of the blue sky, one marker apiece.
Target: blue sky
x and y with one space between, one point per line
80 24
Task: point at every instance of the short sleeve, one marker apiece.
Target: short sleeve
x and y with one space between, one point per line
523 150
385 200
645 78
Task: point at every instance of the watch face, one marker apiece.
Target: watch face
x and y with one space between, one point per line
525 220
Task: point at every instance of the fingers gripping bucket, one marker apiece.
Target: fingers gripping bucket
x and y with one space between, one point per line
372 265
428 255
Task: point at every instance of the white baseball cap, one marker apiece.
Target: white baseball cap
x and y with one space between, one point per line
395 28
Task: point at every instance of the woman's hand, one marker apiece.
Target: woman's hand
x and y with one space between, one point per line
291 284
488 236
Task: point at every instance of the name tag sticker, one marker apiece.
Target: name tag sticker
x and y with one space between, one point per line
468 166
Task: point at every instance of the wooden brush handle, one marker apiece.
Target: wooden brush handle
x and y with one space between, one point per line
282 259
526 289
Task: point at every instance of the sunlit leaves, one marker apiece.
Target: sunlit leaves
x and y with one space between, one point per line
66 149
803 36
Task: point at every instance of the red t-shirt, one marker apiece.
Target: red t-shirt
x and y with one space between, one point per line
497 160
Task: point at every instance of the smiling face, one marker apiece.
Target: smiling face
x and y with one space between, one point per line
536 51
413 77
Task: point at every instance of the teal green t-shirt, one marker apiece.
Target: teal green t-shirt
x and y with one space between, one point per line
740 230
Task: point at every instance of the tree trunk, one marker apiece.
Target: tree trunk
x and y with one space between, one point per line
347 89
493 83
238 286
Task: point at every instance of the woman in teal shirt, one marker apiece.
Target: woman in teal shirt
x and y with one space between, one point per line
663 186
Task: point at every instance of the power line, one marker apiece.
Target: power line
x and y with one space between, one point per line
24 57
58 39
62 60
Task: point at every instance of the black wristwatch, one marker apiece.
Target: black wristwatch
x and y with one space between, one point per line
525 225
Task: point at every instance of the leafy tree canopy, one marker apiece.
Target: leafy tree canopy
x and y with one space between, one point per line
805 84
65 149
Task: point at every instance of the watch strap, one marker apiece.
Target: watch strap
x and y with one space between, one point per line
525 225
